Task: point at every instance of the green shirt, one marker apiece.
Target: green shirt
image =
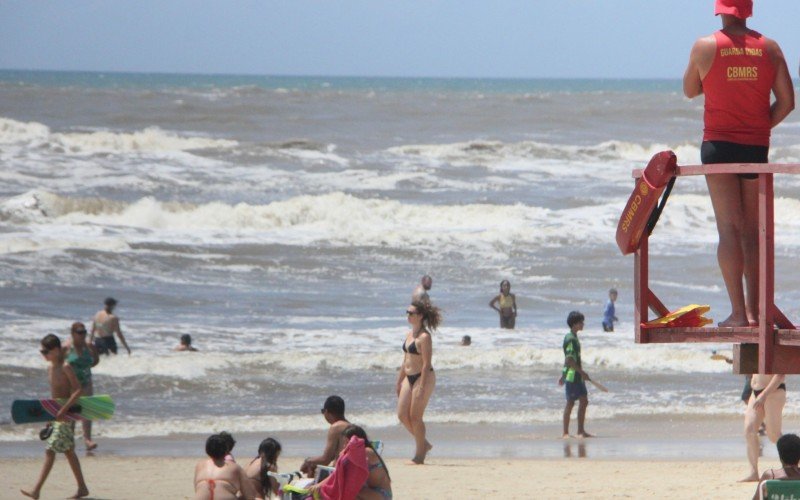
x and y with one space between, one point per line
81 364
572 350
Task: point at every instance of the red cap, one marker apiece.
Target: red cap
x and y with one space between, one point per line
739 8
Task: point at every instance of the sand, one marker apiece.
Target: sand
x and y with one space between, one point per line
171 478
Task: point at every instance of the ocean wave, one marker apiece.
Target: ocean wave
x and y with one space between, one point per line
151 139
503 155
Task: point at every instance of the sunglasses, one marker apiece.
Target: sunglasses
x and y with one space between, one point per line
44 351
80 332
411 313
322 410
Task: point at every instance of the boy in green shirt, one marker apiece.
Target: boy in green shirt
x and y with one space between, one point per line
573 376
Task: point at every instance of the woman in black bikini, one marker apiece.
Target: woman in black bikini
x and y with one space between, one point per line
765 405
416 379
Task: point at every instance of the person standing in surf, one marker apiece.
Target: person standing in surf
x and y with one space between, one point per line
573 377
105 324
82 357
416 378
420 292
508 306
738 69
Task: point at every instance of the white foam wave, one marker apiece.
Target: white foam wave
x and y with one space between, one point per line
530 154
151 139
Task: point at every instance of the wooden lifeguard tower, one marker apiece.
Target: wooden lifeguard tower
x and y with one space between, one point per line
771 347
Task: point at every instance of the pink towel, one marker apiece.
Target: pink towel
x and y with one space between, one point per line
350 475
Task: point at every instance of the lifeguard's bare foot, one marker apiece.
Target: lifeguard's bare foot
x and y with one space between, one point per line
585 434
732 321
30 495
82 492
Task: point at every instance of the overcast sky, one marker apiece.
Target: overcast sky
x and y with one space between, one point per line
447 38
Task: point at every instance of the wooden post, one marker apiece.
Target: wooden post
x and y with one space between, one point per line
766 274
641 290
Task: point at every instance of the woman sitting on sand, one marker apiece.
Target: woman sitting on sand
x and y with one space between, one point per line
508 305
416 378
379 484
216 479
256 471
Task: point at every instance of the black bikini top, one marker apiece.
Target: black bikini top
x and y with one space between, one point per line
412 347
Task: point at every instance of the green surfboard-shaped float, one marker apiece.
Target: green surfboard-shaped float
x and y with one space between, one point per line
25 411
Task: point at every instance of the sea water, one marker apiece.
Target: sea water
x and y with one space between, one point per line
282 222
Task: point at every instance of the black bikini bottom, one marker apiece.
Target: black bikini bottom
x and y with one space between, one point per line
414 378
756 393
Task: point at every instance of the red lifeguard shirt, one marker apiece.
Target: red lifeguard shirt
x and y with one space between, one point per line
737 90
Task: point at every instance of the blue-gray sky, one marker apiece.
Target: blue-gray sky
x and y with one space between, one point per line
446 38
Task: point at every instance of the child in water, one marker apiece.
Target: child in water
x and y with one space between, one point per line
610 314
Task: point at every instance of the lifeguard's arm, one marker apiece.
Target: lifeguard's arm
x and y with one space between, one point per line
118 331
426 352
700 59
493 302
75 389
782 88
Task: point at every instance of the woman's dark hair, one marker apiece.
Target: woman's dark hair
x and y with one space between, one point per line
574 318
354 430
229 441
216 446
431 315
268 452
505 282
789 449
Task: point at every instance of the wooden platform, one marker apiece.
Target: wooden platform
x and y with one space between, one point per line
771 347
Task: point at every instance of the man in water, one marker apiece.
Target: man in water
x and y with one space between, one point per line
105 324
420 293
333 411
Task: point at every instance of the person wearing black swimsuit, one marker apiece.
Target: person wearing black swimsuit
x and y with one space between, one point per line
416 378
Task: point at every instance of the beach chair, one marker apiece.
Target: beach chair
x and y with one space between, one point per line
777 489
287 491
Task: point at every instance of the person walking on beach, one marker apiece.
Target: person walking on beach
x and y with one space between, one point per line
508 305
610 312
416 378
420 292
765 405
63 385
217 479
82 357
573 377
738 69
105 324
333 411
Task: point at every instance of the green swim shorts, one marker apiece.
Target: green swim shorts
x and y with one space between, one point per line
62 438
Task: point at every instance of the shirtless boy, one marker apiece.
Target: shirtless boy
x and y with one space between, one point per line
63 385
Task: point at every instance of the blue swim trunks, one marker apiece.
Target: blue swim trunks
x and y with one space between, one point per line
574 390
